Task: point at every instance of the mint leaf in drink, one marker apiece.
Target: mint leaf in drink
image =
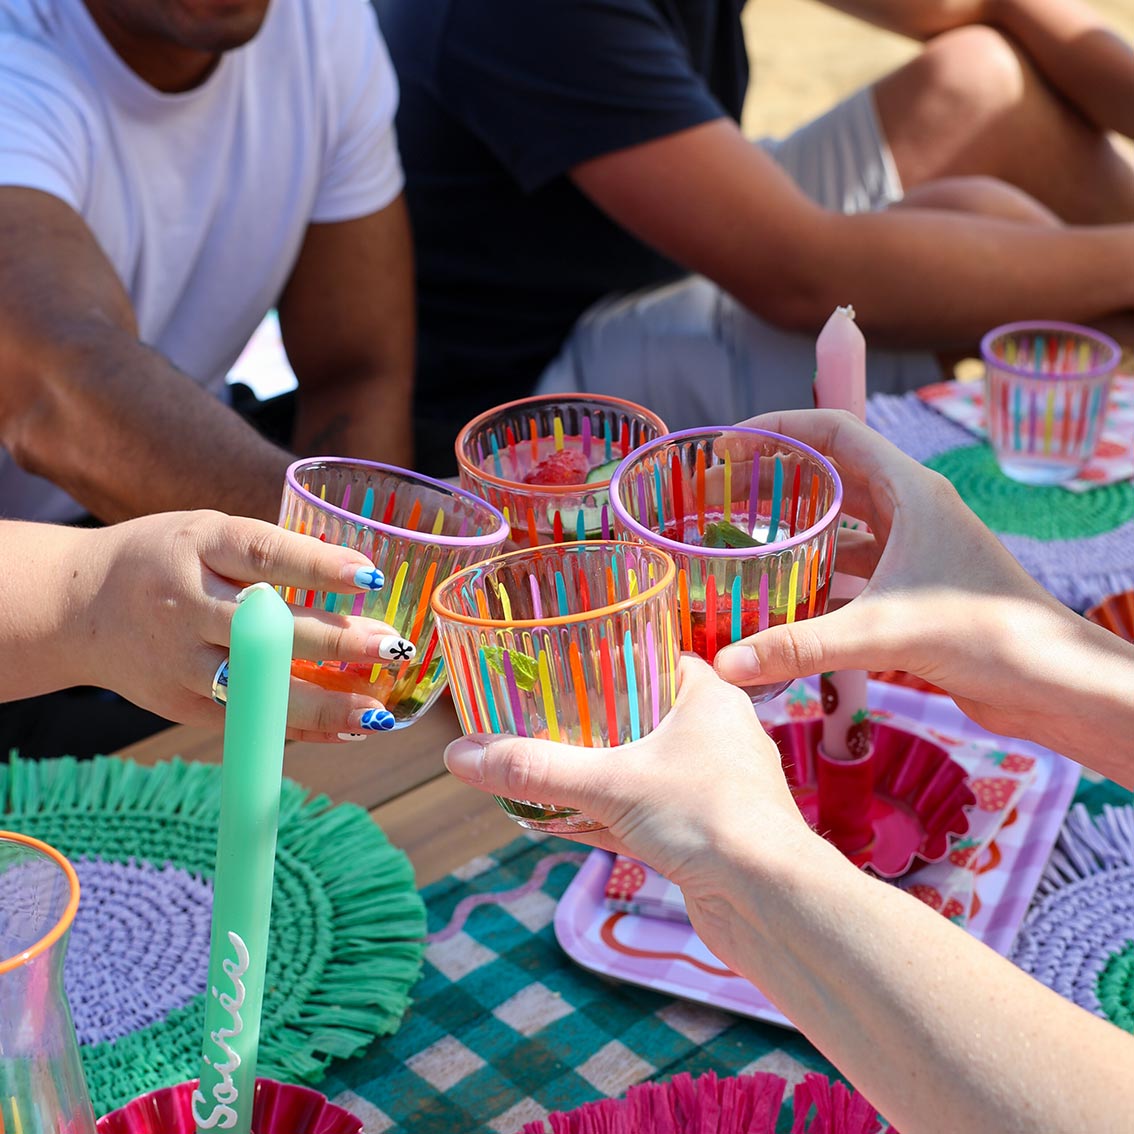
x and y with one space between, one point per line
523 667
720 533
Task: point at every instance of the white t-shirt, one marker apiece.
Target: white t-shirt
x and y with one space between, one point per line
199 200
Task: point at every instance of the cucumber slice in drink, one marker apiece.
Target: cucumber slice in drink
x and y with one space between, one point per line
603 472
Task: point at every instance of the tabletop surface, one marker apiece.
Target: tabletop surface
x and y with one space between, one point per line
399 777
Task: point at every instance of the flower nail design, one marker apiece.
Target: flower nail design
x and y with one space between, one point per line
370 578
393 648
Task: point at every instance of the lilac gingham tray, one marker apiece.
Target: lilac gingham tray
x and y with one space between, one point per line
668 956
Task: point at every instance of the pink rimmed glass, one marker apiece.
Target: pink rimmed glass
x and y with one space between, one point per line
1046 391
546 462
730 486
417 531
573 642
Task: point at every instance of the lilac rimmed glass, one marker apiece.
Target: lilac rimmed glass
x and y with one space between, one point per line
417 531
769 504
1046 391
546 461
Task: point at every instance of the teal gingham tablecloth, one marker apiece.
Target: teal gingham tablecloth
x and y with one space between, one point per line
506 1028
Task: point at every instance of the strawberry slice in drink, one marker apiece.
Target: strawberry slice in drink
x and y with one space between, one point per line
710 637
566 466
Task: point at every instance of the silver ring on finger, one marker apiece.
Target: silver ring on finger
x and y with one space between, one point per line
220 684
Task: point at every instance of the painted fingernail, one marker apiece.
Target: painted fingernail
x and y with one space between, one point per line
465 759
391 648
369 577
376 720
352 736
737 664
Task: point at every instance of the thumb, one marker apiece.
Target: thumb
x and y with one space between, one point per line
536 771
848 638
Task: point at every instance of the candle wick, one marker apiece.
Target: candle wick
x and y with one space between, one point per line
848 311
253 589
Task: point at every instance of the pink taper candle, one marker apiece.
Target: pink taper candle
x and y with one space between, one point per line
840 383
840 365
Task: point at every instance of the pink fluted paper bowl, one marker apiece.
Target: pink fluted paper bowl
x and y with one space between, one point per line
920 798
1116 614
278 1108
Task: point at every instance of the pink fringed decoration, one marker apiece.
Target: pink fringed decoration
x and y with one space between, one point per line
744 1104
838 1110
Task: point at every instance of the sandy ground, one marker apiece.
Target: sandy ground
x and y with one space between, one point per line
806 57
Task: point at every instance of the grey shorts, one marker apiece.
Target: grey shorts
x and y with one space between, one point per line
696 356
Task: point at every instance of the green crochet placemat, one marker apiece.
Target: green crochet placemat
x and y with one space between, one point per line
347 930
1012 508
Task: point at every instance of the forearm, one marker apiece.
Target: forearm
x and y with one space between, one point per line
1082 673
927 278
49 574
363 417
1077 53
114 424
940 1033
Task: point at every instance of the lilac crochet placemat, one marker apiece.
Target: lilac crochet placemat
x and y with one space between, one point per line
1080 546
346 928
1078 937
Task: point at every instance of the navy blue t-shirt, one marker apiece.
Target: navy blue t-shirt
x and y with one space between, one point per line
499 99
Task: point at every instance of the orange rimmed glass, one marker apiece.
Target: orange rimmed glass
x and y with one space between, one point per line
416 531
571 642
41 1079
749 516
546 462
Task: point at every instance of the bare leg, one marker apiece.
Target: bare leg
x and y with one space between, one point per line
970 103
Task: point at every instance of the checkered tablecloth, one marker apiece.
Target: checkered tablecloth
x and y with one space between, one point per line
505 1028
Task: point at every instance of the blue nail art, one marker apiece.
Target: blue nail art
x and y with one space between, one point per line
377 720
370 578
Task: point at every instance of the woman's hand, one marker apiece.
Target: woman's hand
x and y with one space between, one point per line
700 794
943 599
160 594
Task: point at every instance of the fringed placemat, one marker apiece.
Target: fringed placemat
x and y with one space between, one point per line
1076 544
347 927
1078 937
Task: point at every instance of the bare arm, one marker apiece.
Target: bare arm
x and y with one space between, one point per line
715 203
144 608
939 1032
347 320
87 405
1070 44
946 600
935 1028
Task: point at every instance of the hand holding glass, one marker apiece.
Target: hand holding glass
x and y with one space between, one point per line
750 518
573 642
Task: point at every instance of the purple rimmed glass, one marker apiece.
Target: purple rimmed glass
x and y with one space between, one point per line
417 531
1046 391
749 516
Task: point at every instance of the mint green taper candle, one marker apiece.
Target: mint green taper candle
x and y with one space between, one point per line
259 671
